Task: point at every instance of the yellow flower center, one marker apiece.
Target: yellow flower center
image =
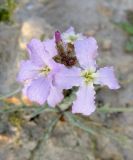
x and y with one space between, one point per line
88 76
45 70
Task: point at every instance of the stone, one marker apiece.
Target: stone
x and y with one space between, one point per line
34 27
9 57
108 149
106 44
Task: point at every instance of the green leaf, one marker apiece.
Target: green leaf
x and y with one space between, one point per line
127 27
107 109
121 139
43 109
6 10
129 15
9 109
4 15
51 126
47 133
74 120
10 93
11 5
66 103
129 45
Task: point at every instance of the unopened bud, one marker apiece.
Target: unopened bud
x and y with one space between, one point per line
57 36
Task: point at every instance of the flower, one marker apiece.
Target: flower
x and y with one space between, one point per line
86 76
70 36
67 60
38 73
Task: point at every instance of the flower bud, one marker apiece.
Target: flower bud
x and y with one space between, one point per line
57 36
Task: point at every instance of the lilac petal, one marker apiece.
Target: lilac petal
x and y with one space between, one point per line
70 30
106 76
55 96
67 78
27 71
24 91
50 47
86 52
36 52
71 37
56 67
85 102
26 86
38 90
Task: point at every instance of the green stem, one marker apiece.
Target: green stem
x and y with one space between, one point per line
10 94
113 110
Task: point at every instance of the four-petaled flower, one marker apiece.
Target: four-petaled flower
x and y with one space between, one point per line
38 73
86 76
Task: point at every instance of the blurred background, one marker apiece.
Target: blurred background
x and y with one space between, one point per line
111 23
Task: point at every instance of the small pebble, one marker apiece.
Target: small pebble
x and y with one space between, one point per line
106 44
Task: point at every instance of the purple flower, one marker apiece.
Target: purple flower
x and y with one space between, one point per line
70 36
44 79
86 76
38 73
57 36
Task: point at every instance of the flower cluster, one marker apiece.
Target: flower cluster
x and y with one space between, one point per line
65 61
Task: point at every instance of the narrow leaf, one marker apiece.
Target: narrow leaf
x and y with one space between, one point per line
74 121
51 127
107 109
10 94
